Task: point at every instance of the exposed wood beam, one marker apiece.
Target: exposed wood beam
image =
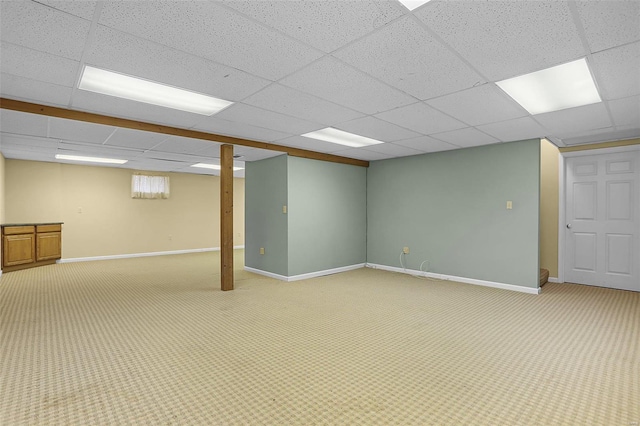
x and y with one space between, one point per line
90 117
226 217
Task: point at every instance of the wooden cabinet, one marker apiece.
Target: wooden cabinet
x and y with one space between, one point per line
29 245
19 249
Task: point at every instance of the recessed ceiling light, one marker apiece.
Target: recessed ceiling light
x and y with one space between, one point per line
413 4
552 89
332 135
213 166
136 89
90 159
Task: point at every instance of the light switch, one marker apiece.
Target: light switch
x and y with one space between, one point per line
261 250
509 205
284 209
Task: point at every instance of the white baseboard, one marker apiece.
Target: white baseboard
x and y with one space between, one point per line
132 255
305 276
553 280
457 279
266 273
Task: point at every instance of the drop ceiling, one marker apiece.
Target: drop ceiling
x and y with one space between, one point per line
421 81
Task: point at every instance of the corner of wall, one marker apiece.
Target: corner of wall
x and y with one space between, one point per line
549 206
2 188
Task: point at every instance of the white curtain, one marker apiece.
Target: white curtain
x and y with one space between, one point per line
149 186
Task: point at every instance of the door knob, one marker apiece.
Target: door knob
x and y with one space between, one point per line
568 226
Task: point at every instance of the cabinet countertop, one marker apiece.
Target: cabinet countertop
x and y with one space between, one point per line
30 224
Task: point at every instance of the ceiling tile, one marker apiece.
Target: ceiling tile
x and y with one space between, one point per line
185 159
298 104
127 54
470 106
29 155
394 150
135 138
618 71
466 137
72 130
404 55
376 128
362 154
16 149
211 31
40 27
23 123
25 89
427 144
181 145
255 154
325 25
515 130
36 65
506 38
573 120
8 140
609 23
337 82
310 144
83 9
206 172
421 118
75 148
626 112
152 165
118 107
243 113
238 129
213 150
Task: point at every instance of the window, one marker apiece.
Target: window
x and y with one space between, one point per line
149 186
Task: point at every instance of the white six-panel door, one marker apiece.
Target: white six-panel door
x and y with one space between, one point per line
602 232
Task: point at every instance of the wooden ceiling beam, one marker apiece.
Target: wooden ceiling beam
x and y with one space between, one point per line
107 120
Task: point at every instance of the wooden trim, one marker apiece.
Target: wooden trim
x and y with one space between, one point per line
90 117
226 217
602 145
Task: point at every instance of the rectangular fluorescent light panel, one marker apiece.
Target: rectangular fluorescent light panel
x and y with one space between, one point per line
136 89
332 135
552 89
413 4
90 159
213 166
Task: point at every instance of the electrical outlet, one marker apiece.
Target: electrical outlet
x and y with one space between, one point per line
405 250
509 205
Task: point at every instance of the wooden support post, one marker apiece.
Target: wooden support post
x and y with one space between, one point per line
226 217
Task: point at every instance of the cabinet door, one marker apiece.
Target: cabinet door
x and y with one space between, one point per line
19 249
49 246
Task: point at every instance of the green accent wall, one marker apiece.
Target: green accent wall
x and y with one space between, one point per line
327 215
326 221
449 208
265 224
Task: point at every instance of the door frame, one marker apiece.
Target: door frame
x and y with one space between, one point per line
562 190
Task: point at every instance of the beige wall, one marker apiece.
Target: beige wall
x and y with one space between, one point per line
549 208
100 217
2 163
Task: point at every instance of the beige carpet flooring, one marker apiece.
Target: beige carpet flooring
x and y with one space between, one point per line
154 341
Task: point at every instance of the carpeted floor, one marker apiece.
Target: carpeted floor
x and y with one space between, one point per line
154 341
